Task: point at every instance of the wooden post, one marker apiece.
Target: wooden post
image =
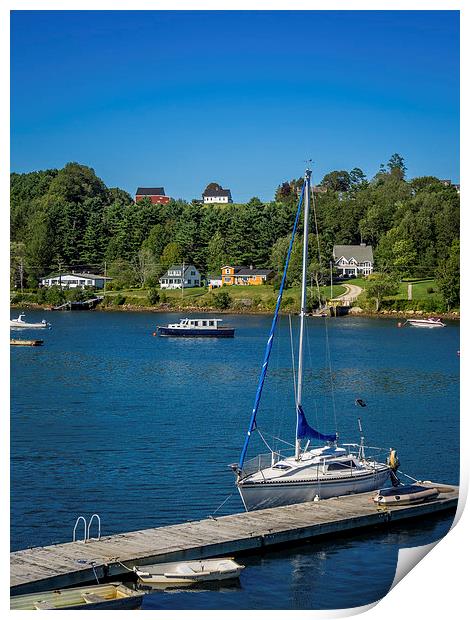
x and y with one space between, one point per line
410 292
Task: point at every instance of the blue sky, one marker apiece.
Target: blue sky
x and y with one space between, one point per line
181 99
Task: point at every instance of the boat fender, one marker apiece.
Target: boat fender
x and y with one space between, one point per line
393 460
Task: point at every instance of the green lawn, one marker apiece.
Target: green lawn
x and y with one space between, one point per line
263 293
420 288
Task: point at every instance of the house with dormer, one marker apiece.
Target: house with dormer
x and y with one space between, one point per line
353 260
217 196
179 276
238 275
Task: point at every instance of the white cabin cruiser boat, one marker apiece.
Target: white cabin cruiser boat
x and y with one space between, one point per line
20 323
430 322
330 470
197 328
189 572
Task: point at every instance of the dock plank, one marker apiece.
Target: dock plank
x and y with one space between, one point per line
69 564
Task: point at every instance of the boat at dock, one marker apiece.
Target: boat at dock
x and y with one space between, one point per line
189 572
310 473
105 596
20 323
429 322
194 328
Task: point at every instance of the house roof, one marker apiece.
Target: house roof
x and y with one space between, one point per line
246 271
179 268
213 193
150 191
360 252
89 276
234 267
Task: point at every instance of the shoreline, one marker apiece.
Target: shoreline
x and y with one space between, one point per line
165 309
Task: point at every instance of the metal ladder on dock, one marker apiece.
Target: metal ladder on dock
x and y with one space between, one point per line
86 528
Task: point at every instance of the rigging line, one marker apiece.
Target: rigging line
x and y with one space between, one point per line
330 371
293 360
318 243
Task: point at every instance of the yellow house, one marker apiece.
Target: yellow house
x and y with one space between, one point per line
244 276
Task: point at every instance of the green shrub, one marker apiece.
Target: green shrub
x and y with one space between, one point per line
55 296
222 300
119 300
153 296
430 290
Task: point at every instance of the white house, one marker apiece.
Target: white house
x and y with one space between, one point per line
353 260
217 196
174 276
75 280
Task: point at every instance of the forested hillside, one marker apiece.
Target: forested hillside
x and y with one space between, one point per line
68 218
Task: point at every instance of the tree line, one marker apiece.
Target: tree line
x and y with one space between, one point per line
68 218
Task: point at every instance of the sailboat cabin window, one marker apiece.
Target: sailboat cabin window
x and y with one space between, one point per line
281 466
211 323
341 465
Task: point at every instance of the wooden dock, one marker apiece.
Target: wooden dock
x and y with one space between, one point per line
76 563
15 342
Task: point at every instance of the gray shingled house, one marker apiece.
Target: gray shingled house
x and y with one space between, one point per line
353 260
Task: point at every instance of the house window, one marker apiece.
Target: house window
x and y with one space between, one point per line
193 273
227 279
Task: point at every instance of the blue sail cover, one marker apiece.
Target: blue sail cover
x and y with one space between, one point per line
269 344
304 431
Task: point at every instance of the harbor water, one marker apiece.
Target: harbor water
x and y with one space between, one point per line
108 419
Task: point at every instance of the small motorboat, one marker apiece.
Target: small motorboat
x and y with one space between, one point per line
406 494
429 322
194 328
25 343
189 572
105 596
19 322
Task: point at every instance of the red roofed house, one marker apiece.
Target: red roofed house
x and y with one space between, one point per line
156 195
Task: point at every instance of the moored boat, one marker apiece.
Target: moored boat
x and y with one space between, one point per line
26 343
311 473
189 572
104 596
19 322
406 494
194 328
429 322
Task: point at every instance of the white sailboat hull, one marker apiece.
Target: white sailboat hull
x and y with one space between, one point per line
260 495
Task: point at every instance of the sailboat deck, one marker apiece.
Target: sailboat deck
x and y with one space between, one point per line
71 564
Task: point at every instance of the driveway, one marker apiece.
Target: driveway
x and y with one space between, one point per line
352 293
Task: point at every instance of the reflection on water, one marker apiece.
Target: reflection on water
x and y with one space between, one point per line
107 418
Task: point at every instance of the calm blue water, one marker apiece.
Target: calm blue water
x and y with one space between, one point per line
107 418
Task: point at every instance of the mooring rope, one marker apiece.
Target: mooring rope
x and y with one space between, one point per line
211 516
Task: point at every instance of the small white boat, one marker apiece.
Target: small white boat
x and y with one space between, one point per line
189 572
19 322
105 596
430 322
407 494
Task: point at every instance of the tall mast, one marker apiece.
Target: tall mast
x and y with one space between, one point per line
303 301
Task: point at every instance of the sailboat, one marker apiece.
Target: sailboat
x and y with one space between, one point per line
310 474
